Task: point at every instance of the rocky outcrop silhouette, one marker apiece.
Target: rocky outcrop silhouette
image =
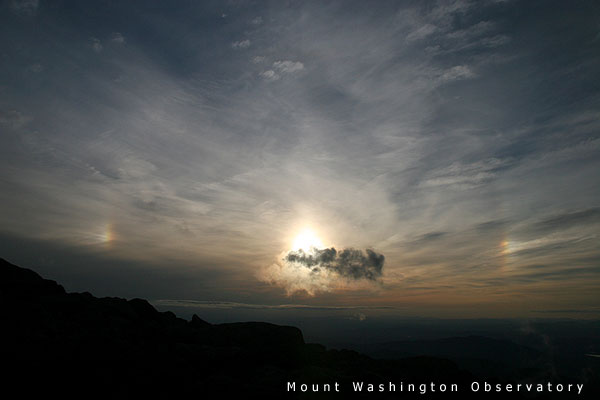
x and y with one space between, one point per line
42 321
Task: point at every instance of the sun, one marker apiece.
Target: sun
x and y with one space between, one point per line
306 240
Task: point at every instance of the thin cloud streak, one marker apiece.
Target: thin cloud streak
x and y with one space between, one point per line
233 305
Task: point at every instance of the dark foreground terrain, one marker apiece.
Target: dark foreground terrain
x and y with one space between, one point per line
78 346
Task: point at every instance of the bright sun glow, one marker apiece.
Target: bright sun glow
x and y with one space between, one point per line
306 240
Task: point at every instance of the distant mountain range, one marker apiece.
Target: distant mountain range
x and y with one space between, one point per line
76 345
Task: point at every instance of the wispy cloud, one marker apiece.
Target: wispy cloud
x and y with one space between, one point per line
233 305
288 66
96 45
421 32
280 68
25 7
35 68
118 38
424 131
457 72
463 176
12 119
241 44
270 75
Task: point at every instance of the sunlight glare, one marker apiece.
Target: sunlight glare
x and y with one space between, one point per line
307 240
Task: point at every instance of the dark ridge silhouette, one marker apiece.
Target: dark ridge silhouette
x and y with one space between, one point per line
478 354
75 345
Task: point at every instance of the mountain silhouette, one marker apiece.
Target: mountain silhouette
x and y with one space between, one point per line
76 345
478 354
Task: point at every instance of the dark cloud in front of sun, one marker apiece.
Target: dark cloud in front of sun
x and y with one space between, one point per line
349 263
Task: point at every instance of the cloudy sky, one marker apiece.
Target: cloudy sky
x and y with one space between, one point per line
447 151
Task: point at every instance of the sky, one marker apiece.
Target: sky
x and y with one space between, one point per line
400 158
